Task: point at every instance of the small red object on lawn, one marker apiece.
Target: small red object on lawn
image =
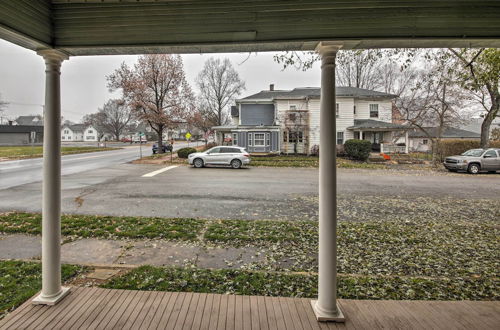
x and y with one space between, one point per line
386 157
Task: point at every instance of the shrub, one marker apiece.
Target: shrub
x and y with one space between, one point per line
184 152
340 150
458 146
315 150
358 149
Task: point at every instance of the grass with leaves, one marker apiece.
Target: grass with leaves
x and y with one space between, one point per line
20 280
37 151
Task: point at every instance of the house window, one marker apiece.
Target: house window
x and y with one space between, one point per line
354 109
301 136
259 139
285 136
66 131
90 131
249 139
337 110
340 137
373 110
235 139
425 141
268 139
90 137
293 107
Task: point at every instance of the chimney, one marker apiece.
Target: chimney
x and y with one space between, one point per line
271 87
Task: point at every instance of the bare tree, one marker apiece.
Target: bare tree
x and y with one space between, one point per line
156 89
116 115
434 103
219 84
478 72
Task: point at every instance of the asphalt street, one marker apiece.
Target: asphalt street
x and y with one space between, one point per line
252 193
18 172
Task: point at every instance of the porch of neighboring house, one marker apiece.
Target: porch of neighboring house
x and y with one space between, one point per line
96 308
385 137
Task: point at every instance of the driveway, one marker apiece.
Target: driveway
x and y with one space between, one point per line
254 193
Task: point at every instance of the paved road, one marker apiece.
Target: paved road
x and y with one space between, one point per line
254 193
18 172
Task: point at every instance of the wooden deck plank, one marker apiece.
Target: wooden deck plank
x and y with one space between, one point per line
115 317
176 299
60 318
238 312
254 313
263 318
191 313
136 314
247 317
271 318
230 316
96 308
278 314
214 313
162 305
202 300
86 318
222 322
183 311
206 315
104 313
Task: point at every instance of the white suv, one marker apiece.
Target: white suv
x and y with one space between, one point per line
232 156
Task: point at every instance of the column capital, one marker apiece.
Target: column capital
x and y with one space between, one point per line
53 55
328 47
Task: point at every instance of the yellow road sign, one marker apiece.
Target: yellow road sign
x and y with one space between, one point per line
188 135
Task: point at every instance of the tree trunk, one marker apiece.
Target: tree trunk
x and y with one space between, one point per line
160 139
485 126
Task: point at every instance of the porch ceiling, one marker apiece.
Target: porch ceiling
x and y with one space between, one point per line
90 27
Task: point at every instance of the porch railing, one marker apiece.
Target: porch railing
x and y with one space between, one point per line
389 148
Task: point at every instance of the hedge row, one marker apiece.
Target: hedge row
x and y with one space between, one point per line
459 146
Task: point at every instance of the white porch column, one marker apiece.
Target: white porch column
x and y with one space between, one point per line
361 135
407 143
52 291
325 307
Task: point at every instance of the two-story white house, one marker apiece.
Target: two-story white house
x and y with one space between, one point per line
79 133
287 121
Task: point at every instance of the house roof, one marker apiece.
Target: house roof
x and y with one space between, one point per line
315 92
30 120
375 124
20 128
449 132
78 127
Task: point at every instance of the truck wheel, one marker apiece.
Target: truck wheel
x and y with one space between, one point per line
198 163
236 163
473 168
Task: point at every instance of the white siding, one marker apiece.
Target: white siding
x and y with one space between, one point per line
384 110
90 134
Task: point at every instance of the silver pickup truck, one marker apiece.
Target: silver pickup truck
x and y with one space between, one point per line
474 161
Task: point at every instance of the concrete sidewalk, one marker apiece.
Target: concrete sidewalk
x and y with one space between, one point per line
92 252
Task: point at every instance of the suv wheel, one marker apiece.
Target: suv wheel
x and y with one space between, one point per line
198 163
473 169
236 163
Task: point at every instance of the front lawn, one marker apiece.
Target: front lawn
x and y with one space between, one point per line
37 151
308 161
20 280
413 253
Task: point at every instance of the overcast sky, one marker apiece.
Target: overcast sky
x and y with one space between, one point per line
83 79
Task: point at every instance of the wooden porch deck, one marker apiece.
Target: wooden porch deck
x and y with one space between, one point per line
95 308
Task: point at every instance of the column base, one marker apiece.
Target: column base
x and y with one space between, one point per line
321 316
39 300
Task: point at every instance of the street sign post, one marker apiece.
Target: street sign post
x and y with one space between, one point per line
141 134
188 136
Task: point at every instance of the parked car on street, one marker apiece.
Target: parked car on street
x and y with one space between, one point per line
235 157
126 140
165 146
474 161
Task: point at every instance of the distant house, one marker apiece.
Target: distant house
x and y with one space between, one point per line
420 141
287 121
79 133
21 134
36 120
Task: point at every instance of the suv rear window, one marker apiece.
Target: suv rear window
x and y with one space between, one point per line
230 150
